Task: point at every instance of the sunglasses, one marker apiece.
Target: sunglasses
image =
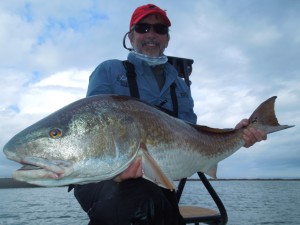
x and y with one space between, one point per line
158 28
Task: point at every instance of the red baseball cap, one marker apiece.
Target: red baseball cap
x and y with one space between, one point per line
146 10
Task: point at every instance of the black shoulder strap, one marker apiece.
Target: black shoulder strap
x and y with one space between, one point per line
131 78
134 91
174 99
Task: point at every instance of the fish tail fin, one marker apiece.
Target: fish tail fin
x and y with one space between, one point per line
265 117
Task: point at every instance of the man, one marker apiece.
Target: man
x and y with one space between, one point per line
128 198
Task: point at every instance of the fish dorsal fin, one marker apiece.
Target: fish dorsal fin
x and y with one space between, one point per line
207 129
153 172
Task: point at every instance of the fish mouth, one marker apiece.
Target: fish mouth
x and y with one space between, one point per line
29 167
35 168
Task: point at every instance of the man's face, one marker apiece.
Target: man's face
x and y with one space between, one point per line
150 43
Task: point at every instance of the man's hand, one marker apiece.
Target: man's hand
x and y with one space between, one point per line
251 135
135 170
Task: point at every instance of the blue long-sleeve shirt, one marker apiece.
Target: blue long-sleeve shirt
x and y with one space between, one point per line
110 78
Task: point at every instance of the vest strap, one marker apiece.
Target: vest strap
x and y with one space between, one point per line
131 78
134 91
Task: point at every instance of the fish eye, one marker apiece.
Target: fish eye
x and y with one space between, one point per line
55 133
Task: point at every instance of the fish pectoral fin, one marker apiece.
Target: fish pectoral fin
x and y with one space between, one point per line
153 172
212 171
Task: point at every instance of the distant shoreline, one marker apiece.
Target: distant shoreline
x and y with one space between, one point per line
250 179
11 183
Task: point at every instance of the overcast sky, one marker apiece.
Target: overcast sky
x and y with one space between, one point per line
244 52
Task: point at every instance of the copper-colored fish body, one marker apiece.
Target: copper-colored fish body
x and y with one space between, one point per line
96 138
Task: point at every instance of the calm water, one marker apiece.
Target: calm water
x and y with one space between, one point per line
247 202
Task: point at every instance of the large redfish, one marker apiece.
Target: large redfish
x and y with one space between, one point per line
96 138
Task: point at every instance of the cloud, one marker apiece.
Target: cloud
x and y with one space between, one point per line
55 91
